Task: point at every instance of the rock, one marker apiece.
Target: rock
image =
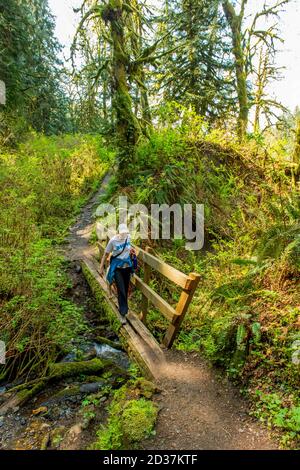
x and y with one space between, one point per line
72 437
74 399
66 394
147 388
67 413
54 413
92 387
84 351
34 437
114 344
78 268
104 351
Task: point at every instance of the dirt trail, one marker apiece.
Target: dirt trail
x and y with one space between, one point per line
201 410
78 240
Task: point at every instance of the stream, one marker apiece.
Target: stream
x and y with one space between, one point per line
67 414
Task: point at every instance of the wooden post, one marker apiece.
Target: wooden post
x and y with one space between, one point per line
147 275
182 306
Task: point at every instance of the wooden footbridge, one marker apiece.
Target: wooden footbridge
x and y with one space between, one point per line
140 343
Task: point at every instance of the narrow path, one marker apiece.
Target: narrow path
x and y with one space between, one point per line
78 241
201 410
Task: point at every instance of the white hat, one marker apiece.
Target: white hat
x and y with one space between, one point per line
123 229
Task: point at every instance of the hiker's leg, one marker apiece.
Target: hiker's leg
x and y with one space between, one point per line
127 275
122 291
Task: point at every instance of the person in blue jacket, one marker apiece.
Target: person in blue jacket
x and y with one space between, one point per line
121 266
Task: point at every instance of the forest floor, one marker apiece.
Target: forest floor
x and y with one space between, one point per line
199 408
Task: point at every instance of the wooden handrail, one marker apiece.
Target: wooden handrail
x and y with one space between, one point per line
163 268
166 309
188 283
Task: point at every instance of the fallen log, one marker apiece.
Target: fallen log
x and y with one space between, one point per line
112 344
58 371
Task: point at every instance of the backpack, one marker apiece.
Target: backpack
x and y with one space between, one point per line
116 256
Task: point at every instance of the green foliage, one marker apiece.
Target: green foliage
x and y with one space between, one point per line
43 185
270 409
31 70
197 73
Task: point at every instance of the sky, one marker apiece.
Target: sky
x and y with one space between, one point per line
287 90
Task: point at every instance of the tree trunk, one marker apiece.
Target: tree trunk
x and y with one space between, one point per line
235 23
187 11
146 113
261 83
127 125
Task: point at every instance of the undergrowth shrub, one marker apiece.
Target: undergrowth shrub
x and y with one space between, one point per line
43 184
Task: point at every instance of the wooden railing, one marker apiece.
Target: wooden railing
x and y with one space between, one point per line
188 283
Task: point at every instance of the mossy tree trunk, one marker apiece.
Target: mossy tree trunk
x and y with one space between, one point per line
235 24
138 72
127 125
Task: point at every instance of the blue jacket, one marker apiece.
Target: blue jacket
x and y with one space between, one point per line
117 263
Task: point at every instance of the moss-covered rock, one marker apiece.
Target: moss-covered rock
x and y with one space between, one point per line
130 419
113 344
57 436
145 388
138 419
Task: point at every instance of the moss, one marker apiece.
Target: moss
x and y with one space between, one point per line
70 369
93 378
105 311
66 392
130 419
24 395
113 344
63 370
138 419
57 436
144 387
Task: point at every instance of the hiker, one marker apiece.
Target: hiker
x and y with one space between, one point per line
120 267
